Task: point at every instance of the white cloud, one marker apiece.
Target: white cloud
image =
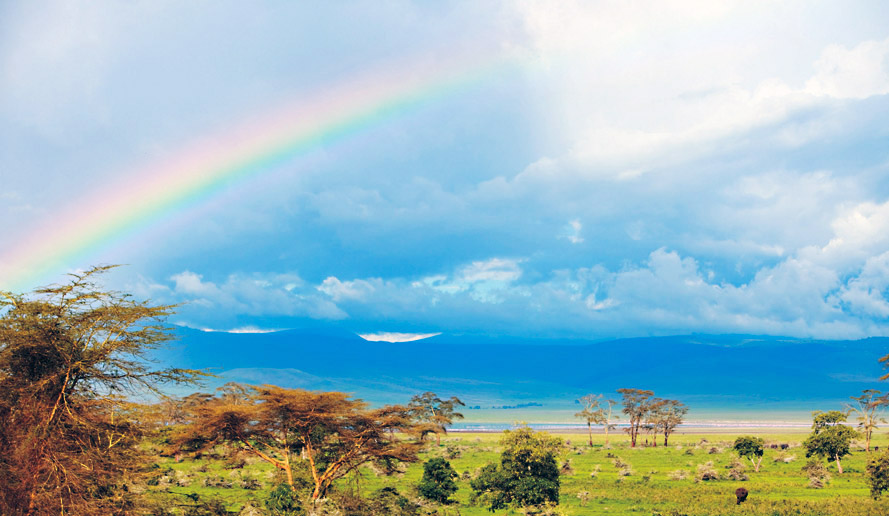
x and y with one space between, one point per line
571 232
395 336
856 73
356 290
254 295
638 85
493 270
243 329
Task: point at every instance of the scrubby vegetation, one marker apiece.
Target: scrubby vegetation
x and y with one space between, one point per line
74 442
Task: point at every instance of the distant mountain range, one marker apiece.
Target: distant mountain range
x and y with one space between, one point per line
713 374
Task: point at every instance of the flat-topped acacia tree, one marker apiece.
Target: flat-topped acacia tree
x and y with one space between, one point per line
668 414
334 433
597 411
434 415
637 404
868 408
69 355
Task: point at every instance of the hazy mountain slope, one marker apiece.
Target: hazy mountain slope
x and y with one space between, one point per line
731 371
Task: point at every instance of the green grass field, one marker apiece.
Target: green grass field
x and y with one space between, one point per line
662 480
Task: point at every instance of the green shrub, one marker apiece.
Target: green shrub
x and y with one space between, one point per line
878 474
437 483
282 501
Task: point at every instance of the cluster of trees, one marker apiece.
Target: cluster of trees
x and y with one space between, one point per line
72 357
645 414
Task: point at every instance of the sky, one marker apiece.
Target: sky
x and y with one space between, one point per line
581 169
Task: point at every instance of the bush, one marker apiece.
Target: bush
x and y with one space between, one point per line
437 483
527 473
878 474
282 501
707 472
679 474
388 502
817 472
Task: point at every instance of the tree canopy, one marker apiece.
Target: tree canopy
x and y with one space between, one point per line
527 473
335 434
434 415
67 354
830 438
750 447
637 403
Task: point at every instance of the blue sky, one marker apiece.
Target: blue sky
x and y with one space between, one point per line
718 167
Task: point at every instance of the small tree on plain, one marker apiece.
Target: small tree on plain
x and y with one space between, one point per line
751 448
637 404
437 483
434 415
830 438
590 412
868 407
527 473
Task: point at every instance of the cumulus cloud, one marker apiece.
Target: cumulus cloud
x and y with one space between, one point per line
346 290
206 304
856 73
636 86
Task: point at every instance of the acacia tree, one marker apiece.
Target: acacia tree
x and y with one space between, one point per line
597 411
605 416
671 415
830 438
67 436
637 403
590 413
868 407
434 415
335 434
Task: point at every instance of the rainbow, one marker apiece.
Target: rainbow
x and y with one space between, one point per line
198 172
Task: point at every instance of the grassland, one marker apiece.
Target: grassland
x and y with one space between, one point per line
601 479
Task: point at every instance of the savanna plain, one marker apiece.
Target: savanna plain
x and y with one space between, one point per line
696 474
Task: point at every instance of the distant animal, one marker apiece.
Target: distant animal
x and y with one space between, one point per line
741 493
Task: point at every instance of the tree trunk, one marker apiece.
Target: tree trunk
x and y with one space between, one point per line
839 466
589 427
288 470
666 436
606 434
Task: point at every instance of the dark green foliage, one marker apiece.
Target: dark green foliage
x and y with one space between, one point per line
282 501
749 447
388 501
878 474
437 483
830 438
527 473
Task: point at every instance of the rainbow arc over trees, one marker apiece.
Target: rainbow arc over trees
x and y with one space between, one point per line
199 171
